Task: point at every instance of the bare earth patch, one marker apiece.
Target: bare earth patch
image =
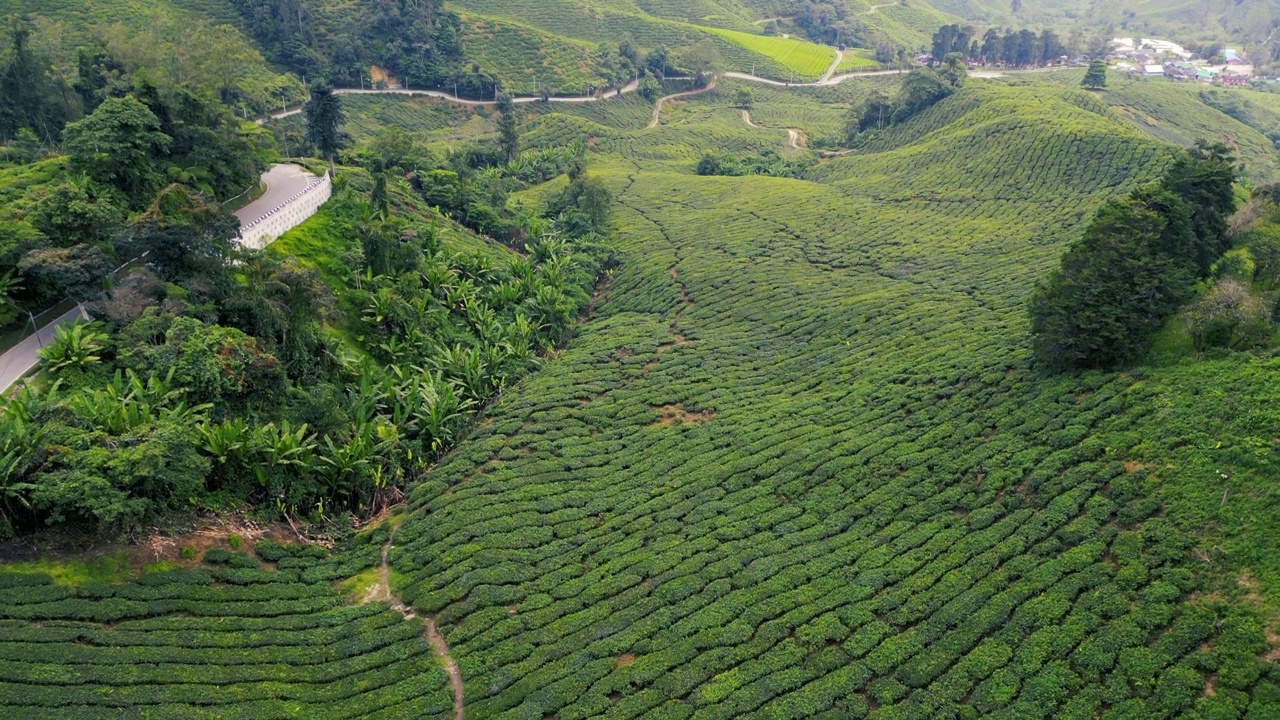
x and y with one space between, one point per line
677 415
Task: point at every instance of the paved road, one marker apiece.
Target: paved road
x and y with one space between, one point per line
827 79
283 182
19 360
629 87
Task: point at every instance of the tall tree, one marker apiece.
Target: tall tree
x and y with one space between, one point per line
508 136
703 60
1204 177
1116 286
324 120
1096 77
23 88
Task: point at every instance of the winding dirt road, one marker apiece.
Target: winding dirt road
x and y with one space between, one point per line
877 7
795 136
657 107
834 64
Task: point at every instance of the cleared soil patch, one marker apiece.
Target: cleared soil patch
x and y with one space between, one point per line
677 415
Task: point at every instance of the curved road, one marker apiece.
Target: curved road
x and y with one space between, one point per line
283 182
835 64
827 79
794 135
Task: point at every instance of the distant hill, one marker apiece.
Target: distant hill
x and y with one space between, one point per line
1239 20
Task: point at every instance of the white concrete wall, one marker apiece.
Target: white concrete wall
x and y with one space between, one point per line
285 217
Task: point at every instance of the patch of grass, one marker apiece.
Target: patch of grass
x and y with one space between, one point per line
857 59
356 587
110 568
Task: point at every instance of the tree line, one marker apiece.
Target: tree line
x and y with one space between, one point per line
921 89
1017 48
1139 261
137 158
51 74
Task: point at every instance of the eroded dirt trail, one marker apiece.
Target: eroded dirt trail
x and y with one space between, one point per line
381 592
796 137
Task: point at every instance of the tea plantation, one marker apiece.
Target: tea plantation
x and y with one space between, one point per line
226 639
795 461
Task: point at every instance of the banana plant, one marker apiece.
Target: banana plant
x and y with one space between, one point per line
284 446
74 346
381 306
500 295
8 286
437 276
550 245
522 273
19 440
465 368
227 440
437 419
456 295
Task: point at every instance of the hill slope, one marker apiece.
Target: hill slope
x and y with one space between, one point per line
796 465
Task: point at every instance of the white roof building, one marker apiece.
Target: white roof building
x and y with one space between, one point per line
1159 47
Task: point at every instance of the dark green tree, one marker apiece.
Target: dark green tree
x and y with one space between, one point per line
1204 177
75 212
1117 285
25 88
508 134
324 120
920 89
118 145
184 236
874 113
1096 77
648 87
703 60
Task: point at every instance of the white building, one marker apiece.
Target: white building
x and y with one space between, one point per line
1125 46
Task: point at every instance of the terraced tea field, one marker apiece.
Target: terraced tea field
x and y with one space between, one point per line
805 59
795 463
226 640
564 24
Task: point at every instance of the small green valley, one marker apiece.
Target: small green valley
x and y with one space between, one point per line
639 359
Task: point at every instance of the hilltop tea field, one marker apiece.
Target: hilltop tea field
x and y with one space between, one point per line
794 459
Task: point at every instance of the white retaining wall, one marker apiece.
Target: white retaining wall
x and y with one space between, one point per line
286 216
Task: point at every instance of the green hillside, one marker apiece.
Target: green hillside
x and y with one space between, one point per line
1180 114
740 44
228 638
176 41
795 462
1189 19
569 424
